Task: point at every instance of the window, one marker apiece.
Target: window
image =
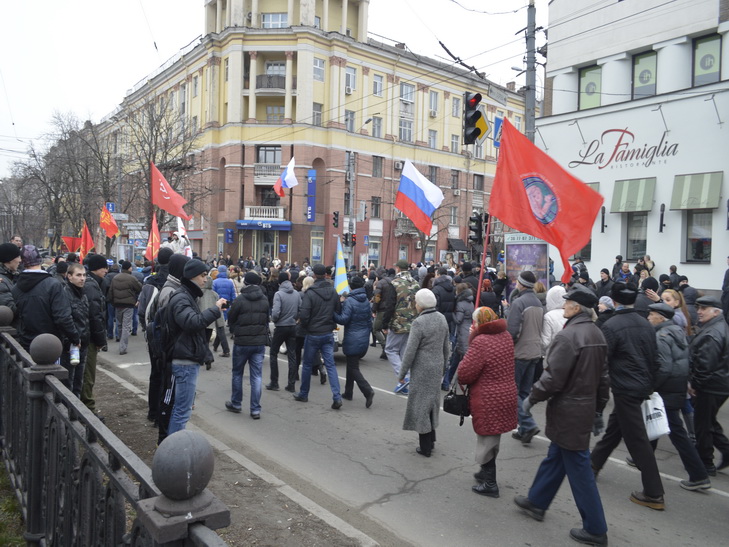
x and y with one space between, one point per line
274 20
455 141
402 252
377 127
590 87
319 65
275 68
432 138
377 163
377 85
407 93
316 114
195 85
433 101
707 56
349 120
406 130
269 154
346 203
226 64
478 182
317 21
478 150
517 123
433 174
183 97
698 235
274 114
194 125
374 252
644 75
317 246
456 112
350 77
454 216
637 232
454 178
375 206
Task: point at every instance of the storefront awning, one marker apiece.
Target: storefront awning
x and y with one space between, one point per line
283 225
699 191
455 244
633 195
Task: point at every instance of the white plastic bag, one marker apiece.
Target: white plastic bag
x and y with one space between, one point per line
654 417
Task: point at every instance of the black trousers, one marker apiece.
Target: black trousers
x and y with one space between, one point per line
221 340
626 423
281 335
709 433
354 375
427 441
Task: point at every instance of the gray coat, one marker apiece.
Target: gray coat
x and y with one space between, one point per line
286 305
427 350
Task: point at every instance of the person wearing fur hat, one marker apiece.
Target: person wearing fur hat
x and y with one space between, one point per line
631 358
187 324
9 261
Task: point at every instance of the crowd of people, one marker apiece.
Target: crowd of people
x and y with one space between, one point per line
439 325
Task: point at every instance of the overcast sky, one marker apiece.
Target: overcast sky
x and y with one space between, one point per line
81 56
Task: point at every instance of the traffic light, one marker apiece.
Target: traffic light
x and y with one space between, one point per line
354 240
471 116
346 240
476 226
335 222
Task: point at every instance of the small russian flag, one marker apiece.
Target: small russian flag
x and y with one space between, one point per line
286 180
418 198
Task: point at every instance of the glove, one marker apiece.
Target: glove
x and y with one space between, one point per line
526 406
598 424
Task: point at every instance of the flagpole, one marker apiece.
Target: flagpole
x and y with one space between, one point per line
483 263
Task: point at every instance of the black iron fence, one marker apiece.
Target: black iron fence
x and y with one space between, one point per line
78 484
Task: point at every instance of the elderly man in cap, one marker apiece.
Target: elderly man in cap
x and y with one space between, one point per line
709 381
575 382
631 358
9 261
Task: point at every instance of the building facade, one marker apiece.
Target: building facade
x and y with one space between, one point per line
276 79
637 105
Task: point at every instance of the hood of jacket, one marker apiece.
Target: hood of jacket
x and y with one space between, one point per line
466 295
252 292
445 282
28 280
678 334
360 295
286 287
554 298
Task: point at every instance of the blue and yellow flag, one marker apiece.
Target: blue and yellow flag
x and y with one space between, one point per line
340 277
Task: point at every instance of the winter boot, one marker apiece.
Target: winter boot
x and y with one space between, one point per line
488 487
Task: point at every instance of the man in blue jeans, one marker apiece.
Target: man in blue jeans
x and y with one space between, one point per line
248 320
319 304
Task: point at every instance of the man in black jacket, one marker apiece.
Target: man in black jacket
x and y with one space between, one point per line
124 291
319 304
445 296
98 267
709 381
248 320
187 326
605 285
632 362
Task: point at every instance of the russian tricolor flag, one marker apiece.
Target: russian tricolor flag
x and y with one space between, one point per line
418 198
286 180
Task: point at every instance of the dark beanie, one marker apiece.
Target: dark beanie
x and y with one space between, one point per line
356 282
8 252
193 268
177 265
649 283
126 265
605 271
62 267
527 278
30 256
252 278
283 276
663 278
466 267
319 269
624 293
97 262
584 275
164 255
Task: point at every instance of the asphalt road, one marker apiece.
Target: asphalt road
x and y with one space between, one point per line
361 466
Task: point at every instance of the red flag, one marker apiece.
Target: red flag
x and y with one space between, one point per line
87 243
72 243
164 197
535 195
108 223
153 243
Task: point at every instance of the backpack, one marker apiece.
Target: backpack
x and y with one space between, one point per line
160 334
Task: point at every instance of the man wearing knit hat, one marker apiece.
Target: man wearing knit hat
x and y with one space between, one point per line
632 362
97 269
605 285
9 261
187 324
124 291
525 326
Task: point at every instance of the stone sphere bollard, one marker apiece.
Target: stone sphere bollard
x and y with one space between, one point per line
6 316
45 349
183 465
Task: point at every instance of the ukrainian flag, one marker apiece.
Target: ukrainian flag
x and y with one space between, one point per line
340 277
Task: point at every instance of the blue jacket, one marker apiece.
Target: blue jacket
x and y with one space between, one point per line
224 287
356 317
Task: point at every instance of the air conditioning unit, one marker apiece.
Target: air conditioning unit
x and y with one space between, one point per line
456 192
418 244
398 165
348 90
433 113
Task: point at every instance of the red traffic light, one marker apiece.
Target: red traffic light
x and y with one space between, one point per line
472 100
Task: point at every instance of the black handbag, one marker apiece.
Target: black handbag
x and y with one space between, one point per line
457 403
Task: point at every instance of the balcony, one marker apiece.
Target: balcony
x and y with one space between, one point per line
273 84
405 226
266 174
263 212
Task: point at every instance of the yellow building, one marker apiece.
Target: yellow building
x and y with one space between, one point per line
272 79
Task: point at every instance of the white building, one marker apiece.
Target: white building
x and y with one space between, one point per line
637 104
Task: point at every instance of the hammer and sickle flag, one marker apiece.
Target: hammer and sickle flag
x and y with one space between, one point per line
108 223
164 197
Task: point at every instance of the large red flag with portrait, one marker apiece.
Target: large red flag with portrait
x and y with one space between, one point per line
164 197
532 193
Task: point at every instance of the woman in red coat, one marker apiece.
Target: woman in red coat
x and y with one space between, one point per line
488 370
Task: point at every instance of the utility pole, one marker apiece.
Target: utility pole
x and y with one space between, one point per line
352 224
531 72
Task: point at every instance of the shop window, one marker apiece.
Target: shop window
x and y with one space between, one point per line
637 234
707 60
644 75
698 235
590 87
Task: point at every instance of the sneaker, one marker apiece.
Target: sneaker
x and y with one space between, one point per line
272 387
581 535
402 386
256 416
527 436
696 485
640 498
529 508
336 405
229 406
